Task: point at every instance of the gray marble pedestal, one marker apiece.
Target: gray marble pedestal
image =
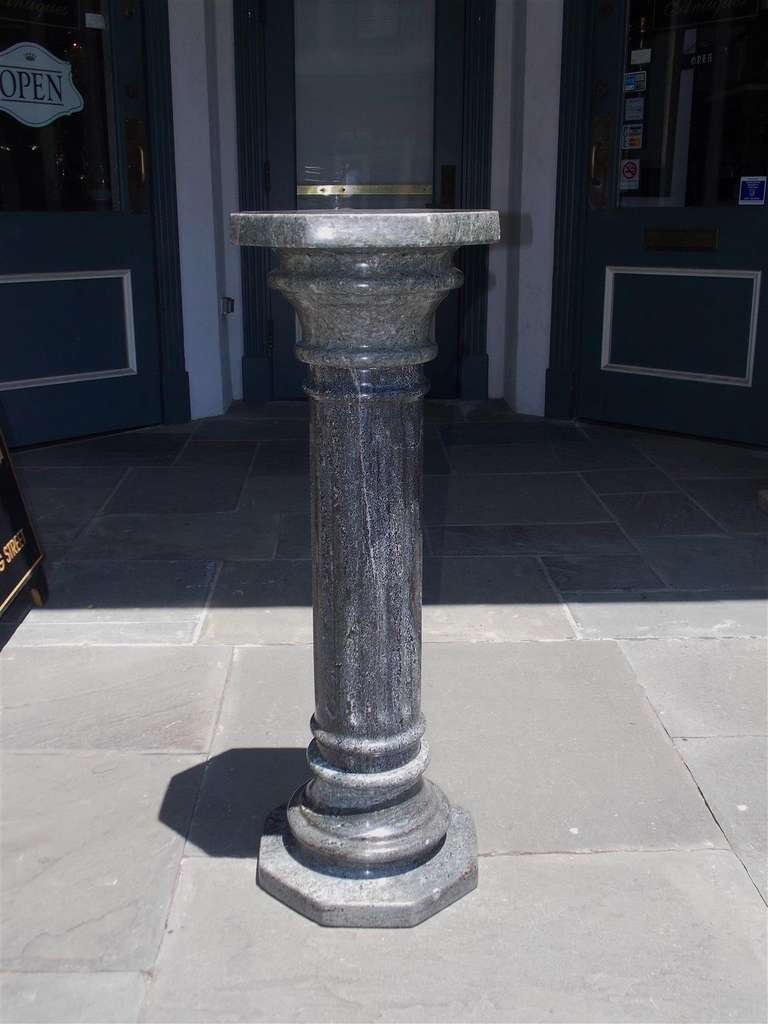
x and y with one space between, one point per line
368 841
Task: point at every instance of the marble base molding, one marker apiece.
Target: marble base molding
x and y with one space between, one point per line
368 841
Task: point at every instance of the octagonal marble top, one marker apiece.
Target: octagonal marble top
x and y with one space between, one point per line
365 229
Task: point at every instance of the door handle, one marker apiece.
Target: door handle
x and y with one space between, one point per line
142 166
136 164
599 161
593 155
448 186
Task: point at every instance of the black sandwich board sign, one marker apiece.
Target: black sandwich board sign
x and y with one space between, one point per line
20 554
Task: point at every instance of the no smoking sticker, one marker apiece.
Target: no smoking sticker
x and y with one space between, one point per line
629 176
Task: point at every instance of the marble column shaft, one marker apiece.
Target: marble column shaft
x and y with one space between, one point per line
365 287
366 322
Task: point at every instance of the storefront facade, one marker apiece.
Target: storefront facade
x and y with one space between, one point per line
628 287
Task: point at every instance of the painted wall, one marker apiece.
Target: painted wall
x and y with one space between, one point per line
226 150
204 136
526 112
505 189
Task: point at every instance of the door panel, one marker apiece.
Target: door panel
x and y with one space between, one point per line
77 282
675 324
363 123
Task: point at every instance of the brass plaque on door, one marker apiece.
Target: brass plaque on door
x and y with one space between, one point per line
415 189
682 239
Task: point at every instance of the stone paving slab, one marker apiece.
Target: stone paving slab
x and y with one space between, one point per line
535 539
487 599
217 453
132 448
686 459
89 869
107 997
435 459
600 572
267 602
613 937
111 698
734 503
282 458
683 614
151 489
258 756
529 429
264 497
731 772
223 428
623 481
56 538
708 562
110 601
554 747
294 536
281 410
659 514
74 504
491 600
704 688
171 536
62 501
68 478
511 498
540 457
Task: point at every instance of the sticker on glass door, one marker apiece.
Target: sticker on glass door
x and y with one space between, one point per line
752 190
629 178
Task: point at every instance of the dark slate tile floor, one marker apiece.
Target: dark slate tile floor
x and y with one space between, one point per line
589 508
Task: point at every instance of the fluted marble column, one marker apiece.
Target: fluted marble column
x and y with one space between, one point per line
368 841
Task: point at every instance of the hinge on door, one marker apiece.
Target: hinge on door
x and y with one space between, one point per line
270 336
267 176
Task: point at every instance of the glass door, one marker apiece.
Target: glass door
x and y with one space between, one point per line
77 264
368 117
675 328
364 103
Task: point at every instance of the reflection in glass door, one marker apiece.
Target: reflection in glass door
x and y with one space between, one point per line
58 148
695 106
365 108
364 103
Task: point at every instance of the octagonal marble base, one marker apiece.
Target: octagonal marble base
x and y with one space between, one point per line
380 900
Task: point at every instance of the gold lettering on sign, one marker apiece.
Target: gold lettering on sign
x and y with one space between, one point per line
12 548
694 7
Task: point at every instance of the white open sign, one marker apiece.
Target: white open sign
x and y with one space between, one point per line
35 87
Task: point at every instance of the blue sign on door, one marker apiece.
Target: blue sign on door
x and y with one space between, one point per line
752 191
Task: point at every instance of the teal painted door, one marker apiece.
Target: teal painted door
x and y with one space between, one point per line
77 271
675 307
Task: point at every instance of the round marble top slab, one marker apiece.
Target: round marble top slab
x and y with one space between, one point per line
365 229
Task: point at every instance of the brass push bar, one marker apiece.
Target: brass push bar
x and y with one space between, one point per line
365 190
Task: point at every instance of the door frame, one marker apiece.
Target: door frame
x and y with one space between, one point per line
570 210
165 224
264 92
